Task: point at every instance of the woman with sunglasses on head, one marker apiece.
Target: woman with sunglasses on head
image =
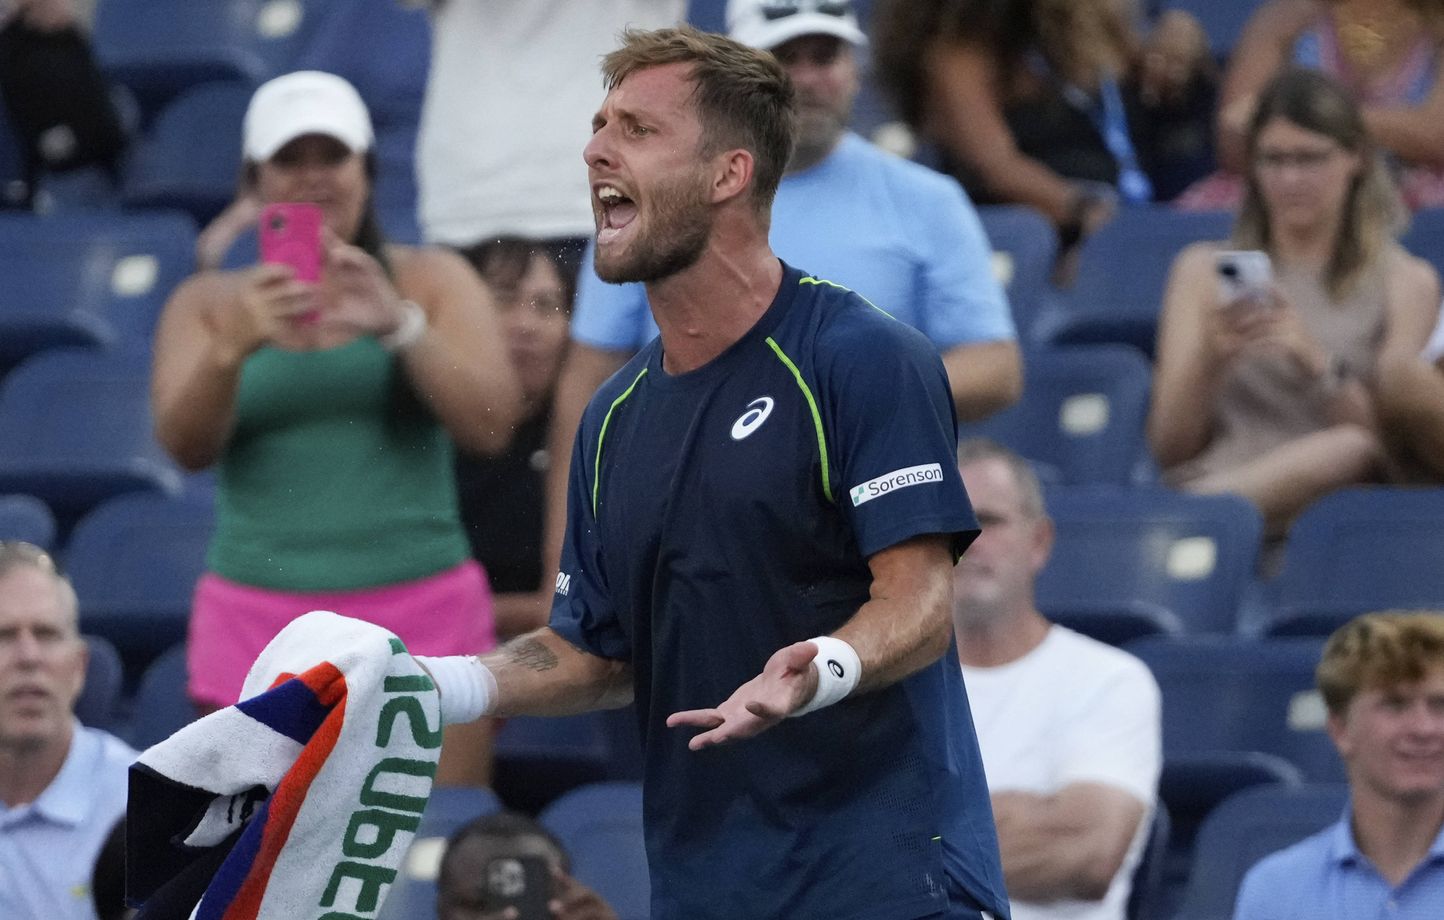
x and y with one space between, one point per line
1269 389
328 409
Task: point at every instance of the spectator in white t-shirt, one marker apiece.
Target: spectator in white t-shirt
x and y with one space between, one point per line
508 109
1069 727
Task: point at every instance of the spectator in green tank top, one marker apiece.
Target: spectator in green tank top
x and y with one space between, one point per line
328 409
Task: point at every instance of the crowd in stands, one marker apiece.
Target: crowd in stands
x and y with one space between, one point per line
391 437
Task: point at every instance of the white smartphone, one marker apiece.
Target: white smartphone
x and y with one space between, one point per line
1245 276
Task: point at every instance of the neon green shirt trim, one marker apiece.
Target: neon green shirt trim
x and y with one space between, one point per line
811 404
607 420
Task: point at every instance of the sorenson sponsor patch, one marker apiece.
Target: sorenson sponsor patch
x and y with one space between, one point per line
897 479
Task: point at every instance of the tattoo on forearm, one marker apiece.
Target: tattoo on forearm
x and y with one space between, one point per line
533 654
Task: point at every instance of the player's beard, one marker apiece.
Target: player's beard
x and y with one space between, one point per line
677 231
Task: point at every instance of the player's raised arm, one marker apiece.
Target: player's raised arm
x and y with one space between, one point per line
536 674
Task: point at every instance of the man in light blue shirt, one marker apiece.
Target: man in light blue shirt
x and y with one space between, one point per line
1382 678
904 237
62 786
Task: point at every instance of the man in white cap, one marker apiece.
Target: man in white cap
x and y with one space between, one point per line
901 235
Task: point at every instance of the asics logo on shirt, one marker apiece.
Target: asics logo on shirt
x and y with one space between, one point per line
752 419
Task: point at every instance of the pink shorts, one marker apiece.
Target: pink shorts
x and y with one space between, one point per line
444 614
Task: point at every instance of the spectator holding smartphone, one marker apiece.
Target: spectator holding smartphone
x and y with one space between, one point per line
327 410
1288 380
484 875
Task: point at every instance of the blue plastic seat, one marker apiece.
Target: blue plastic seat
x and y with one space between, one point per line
1024 247
1148 875
157 48
134 562
1425 236
1361 550
99 701
539 759
1245 829
1127 550
14 181
1122 272
601 827
1081 415
162 705
413 894
75 429
1223 20
190 158
1192 786
93 280
1233 694
28 519
1117 623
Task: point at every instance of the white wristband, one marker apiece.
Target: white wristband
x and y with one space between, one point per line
407 332
838 671
467 687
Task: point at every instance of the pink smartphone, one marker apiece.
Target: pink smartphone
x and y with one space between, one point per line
291 235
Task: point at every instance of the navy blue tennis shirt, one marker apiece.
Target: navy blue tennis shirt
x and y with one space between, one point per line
719 515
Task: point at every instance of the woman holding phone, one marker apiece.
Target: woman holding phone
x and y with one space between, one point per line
328 408
1269 389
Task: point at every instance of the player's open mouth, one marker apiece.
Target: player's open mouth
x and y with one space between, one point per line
617 212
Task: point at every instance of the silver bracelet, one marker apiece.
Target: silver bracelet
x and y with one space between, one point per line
407 332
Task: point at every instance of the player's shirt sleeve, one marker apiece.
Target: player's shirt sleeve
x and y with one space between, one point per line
892 437
582 609
962 301
613 317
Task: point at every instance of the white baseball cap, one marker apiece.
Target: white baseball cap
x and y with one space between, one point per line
766 24
304 102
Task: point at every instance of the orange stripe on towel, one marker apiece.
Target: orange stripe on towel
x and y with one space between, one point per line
329 685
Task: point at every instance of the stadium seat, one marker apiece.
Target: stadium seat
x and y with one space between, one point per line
190 158
1228 693
1360 550
98 705
14 183
1425 236
26 518
157 48
1223 20
449 809
538 759
1024 247
162 706
1126 549
75 429
601 827
1192 786
95 280
1117 623
1122 272
134 562
1245 829
1148 874
1081 416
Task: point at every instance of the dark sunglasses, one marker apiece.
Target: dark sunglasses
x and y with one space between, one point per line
839 8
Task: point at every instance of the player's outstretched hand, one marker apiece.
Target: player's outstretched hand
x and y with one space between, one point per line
786 683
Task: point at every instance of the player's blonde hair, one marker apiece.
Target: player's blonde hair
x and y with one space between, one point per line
743 96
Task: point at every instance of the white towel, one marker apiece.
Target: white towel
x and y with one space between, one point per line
298 802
